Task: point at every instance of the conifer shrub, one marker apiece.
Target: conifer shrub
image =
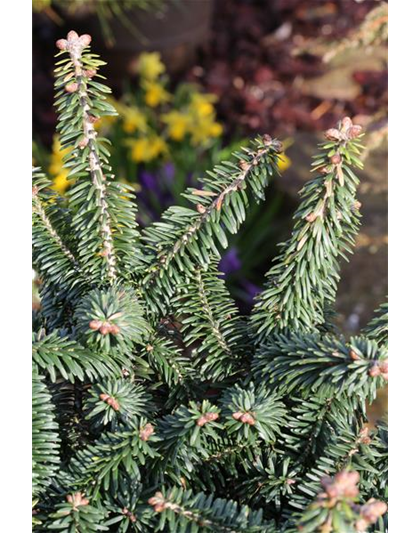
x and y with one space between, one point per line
156 405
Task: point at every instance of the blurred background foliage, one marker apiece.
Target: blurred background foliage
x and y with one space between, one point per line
193 79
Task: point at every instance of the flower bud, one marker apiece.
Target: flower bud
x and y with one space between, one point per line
237 415
105 328
61 44
374 370
333 135
85 40
71 87
210 417
89 73
354 132
247 418
92 119
146 432
72 36
346 123
83 143
201 421
336 159
200 208
95 324
372 510
114 329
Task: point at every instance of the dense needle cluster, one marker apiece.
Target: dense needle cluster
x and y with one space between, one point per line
156 405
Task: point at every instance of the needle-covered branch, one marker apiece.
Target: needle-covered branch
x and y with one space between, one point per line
325 365
52 258
211 324
187 237
103 212
304 277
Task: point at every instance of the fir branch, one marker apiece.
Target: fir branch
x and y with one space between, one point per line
252 413
166 359
335 508
57 354
378 327
111 320
346 449
186 237
125 325
303 280
179 510
117 402
327 365
270 479
114 454
78 515
53 260
45 440
189 427
104 216
210 324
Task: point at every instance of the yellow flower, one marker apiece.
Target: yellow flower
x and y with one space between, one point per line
201 104
204 129
283 162
56 169
61 183
133 120
178 124
155 94
215 129
147 149
150 65
201 112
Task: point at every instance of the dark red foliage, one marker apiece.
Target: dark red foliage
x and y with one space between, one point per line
251 66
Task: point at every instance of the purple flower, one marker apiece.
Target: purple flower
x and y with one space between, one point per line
169 172
250 289
230 262
148 180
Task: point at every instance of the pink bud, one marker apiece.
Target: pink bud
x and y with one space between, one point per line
210 417
246 418
374 370
95 324
114 329
105 328
72 36
61 44
346 123
71 87
201 421
89 73
354 132
146 432
336 159
83 143
333 135
85 40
